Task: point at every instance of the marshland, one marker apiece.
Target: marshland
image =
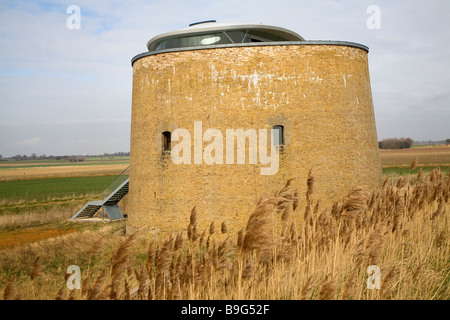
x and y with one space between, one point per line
291 247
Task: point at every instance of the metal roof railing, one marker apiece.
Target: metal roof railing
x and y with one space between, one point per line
120 179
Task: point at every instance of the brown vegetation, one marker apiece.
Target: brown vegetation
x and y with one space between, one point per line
14 238
423 156
284 252
61 171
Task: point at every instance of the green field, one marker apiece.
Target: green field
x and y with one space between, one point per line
421 146
405 170
54 188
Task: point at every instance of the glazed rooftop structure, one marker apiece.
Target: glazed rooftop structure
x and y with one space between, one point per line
204 34
212 33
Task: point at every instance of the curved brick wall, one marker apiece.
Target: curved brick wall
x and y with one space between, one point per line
320 93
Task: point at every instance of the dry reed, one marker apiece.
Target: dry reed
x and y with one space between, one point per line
290 248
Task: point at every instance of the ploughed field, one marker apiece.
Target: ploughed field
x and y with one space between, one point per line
426 157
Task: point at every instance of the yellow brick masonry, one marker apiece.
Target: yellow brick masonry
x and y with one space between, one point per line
321 94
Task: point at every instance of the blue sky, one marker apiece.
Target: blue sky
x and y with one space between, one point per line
68 91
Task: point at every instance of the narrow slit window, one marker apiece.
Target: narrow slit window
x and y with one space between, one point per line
166 141
278 135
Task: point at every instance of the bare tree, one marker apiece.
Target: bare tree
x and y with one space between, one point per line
396 143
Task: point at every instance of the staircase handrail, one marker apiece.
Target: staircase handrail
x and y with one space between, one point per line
121 178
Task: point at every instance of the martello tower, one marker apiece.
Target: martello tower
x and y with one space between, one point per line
314 95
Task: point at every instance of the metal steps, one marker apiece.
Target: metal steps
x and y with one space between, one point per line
111 195
88 210
117 194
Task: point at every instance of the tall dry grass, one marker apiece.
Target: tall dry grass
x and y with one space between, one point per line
52 210
31 219
286 251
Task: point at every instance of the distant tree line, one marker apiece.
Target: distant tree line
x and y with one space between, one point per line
431 142
45 157
396 143
112 155
71 158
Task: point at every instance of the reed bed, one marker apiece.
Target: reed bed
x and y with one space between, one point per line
32 219
285 251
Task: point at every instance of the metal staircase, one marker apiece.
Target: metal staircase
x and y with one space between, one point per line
111 195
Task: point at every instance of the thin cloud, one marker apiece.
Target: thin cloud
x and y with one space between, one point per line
29 143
